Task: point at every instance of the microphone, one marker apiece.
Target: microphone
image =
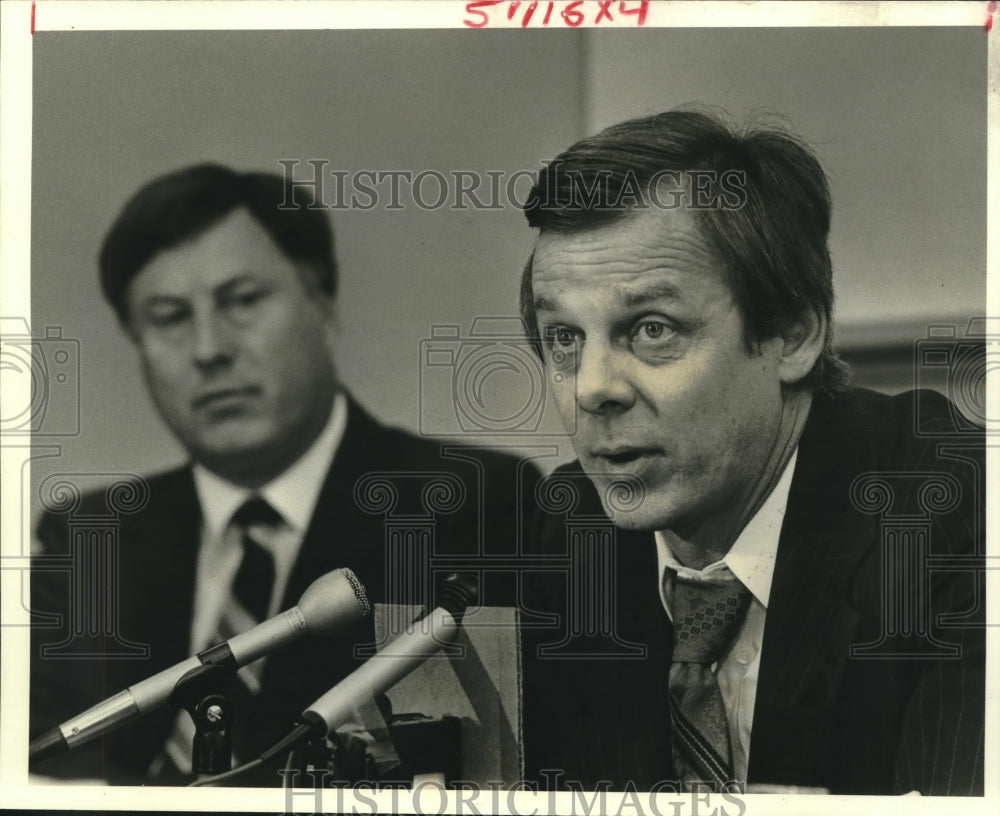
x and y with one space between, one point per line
402 655
331 603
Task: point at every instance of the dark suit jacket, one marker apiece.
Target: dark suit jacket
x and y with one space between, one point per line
157 549
905 713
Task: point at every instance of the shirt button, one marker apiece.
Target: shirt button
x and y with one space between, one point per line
744 656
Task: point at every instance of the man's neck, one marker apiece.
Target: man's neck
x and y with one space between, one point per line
712 541
293 493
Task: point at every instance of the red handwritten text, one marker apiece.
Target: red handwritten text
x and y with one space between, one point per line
572 14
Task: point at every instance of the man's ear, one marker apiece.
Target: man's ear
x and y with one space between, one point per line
331 318
803 340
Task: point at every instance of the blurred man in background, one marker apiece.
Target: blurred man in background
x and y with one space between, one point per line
226 286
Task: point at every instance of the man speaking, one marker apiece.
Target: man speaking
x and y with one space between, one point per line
784 624
226 287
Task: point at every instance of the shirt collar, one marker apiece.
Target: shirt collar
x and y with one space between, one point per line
293 493
751 558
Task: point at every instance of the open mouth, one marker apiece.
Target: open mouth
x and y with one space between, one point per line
623 457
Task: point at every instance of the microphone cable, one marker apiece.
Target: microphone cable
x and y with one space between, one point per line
288 743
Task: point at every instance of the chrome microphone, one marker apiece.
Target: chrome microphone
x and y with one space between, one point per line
332 603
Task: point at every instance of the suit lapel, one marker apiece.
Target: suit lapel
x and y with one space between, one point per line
811 622
339 533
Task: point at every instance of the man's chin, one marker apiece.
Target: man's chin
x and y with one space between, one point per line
237 442
627 501
630 507
643 521
232 446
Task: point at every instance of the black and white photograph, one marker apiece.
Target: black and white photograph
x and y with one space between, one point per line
499 407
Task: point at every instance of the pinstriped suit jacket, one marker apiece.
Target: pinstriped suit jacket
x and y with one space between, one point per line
872 677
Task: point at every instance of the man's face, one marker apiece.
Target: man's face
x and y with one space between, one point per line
235 349
643 342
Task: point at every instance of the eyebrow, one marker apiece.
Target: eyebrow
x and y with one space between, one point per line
658 291
161 297
544 304
237 279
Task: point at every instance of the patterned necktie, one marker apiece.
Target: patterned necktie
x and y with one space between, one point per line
706 615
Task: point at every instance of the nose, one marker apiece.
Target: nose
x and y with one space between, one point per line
212 348
602 383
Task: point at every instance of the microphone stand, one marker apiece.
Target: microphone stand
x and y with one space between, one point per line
201 692
456 592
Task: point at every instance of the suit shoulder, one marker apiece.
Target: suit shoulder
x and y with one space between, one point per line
129 495
397 448
905 430
918 427
402 447
921 438
922 408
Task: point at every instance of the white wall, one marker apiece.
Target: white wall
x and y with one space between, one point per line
896 115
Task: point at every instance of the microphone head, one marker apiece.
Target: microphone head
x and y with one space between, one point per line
457 592
334 602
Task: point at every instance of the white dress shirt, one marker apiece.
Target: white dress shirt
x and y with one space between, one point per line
751 560
293 494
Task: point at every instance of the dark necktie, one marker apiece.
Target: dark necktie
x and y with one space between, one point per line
254 583
253 524
256 523
706 618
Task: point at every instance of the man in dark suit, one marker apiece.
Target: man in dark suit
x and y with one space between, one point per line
226 287
792 583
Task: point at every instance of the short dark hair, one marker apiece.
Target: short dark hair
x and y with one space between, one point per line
178 206
772 242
